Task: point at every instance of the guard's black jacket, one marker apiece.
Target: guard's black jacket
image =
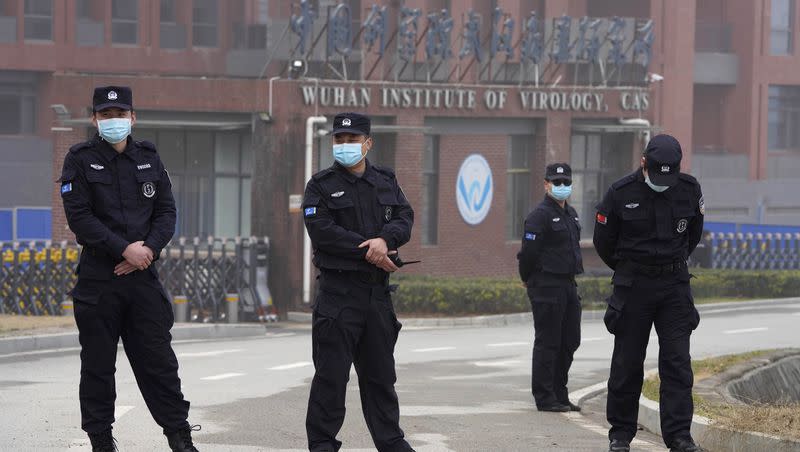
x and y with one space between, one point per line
114 199
551 251
342 210
636 224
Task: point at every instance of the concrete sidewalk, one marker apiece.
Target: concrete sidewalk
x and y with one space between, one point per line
180 332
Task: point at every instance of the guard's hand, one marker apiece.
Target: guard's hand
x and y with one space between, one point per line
123 268
377 251
387 265
138 255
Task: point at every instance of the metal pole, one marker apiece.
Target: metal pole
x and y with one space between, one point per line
67 308
232 302
181 308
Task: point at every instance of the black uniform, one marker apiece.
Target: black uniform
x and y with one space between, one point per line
548 262
354 320
111 200
646 237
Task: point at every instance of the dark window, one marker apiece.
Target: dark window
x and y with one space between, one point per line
124 21
39 19
784 118
83 9
168 12
204 23
781 27
430 191
518 193
17 114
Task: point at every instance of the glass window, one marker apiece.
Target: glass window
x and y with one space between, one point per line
784 118
200 157
17 114
83 10
781 27
226 199
247 197
39 19
168 12
204 21
585 156
124 21
430 191
226 154
518 192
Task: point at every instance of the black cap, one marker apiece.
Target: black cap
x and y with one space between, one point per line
663 160
112 96
351 123
557 171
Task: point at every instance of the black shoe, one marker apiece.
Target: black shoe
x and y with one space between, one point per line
103 442
181 441
555 408
619 445
685 445
572 406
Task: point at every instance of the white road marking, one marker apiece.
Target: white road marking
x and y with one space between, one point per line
510 363
600 430
509 344
208 353
796 313
432 349
451 410
277 335
745 330
222 376
593 339
121 410
291 366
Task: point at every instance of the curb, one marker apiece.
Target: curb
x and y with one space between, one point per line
22 344
526 318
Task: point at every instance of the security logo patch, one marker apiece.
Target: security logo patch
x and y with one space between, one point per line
148 189
346 122
602 219
702 205
310 211
530 236
665 169
387 213
96 166
632 205
112 95
682 225
66 188
338 194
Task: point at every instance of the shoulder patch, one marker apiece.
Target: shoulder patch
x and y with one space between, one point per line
322 174
624 181
688 178
144 144
80 146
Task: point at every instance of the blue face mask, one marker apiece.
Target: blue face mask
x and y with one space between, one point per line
656 188
561 192
114 130
347 154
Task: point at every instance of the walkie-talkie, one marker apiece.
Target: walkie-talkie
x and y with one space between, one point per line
395 258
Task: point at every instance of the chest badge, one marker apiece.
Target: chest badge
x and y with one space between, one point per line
387 213
148 189
632 205
338 194
143 167
682 225
556 220
96 166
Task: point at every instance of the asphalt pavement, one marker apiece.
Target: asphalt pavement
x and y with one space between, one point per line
460 389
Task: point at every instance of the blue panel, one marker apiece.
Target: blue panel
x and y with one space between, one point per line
6 225
34 224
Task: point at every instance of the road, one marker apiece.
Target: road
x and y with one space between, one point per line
461 389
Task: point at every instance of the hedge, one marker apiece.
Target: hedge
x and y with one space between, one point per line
465 296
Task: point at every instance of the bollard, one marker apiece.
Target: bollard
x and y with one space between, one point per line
181 308
67 308
232 303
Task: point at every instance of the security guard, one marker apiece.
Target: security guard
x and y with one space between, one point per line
646 227
118 201
357 217
548 262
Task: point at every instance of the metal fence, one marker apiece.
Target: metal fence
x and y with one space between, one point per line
755 251
35 277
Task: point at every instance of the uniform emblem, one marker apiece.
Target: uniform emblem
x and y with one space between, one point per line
682 225
145 166
387 213
632 205
556 220
148 189
346 122
665 169
112 95
560 170
602 219
96 166
702 205
338 194
310 211
66 188
530 236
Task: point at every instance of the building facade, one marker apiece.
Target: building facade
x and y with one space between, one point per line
225 90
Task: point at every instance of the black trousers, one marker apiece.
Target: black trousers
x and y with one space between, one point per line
134 308
354 323
666 302
557 326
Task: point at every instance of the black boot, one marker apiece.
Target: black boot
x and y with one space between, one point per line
181 441
103 442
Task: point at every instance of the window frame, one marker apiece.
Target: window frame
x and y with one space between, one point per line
205 25
787 48
515 221
125 21
37 16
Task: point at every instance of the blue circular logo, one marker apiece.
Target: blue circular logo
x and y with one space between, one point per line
474 189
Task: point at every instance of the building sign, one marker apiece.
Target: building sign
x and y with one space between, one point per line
468 99
474 189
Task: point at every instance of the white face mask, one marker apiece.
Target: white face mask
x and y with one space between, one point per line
656 188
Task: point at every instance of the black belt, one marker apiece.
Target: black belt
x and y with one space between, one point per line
656 270
366 277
